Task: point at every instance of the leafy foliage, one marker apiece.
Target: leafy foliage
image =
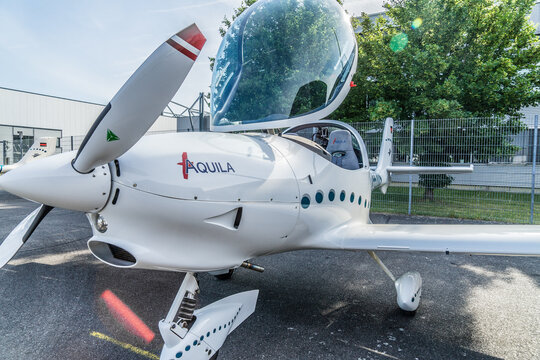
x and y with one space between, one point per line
283 59
468 58
440 59
437 59
226 22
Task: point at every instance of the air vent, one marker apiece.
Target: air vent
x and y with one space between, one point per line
121 254
111 254
229 220
117 166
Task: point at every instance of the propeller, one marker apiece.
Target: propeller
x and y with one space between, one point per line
140 101
69 181
21 233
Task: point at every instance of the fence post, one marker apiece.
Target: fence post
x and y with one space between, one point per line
202 125
71 137
533 181
410 163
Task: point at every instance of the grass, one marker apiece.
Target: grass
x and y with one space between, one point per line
465 204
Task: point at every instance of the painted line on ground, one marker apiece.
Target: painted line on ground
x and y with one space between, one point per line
377 352
126 346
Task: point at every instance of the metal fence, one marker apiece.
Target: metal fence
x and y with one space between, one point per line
70 143
16 140
4 151
504 186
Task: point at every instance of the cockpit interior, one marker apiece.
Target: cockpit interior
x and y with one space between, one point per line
337 142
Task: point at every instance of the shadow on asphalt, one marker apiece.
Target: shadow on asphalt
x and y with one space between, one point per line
312 304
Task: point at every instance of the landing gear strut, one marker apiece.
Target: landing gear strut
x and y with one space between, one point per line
408 286
223 274
226 274
199 334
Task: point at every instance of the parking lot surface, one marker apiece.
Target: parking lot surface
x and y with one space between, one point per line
312 304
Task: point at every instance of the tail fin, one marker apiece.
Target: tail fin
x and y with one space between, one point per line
43 147
382 177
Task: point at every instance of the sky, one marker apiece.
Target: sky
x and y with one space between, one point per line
87 49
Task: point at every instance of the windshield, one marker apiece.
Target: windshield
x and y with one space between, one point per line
282 60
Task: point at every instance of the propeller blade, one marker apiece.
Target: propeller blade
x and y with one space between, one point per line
21 233
140 101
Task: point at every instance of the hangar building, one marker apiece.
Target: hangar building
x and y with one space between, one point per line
26 116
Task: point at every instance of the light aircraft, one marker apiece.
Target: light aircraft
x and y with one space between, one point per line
211 201
43 147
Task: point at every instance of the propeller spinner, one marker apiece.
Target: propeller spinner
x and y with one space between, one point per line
82 182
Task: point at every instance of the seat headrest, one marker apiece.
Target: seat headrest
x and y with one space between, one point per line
339 140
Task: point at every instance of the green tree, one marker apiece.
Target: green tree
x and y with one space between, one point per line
437 59
226 23
287 53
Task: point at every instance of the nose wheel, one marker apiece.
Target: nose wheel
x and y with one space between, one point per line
199 334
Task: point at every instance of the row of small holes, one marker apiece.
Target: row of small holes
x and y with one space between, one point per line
196 343
319 197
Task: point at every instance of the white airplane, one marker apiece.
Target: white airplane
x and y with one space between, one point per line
211 201
43 147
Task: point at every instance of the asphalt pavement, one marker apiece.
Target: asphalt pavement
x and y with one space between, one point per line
312 304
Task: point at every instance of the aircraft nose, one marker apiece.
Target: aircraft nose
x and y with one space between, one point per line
54 182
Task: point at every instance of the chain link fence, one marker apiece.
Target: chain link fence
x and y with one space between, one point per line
505 152
70 143
504 186
4 152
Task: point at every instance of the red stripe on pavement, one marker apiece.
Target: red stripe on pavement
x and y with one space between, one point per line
182 49
127 317
193 36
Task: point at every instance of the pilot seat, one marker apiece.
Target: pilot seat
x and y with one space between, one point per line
341 148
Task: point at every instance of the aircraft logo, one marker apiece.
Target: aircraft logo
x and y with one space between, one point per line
203 167
338 141
111 136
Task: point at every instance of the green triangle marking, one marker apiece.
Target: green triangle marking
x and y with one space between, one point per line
111 136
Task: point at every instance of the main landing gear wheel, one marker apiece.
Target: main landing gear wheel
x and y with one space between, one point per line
408 287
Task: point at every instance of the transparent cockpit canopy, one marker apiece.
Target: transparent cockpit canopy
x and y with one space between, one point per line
282 63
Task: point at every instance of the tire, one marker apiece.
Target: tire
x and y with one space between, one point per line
225 276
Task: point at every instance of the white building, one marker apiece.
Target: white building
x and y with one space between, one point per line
25 116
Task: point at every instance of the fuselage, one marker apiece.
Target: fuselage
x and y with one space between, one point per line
207 201
6 168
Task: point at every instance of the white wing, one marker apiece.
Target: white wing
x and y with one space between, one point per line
467 239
